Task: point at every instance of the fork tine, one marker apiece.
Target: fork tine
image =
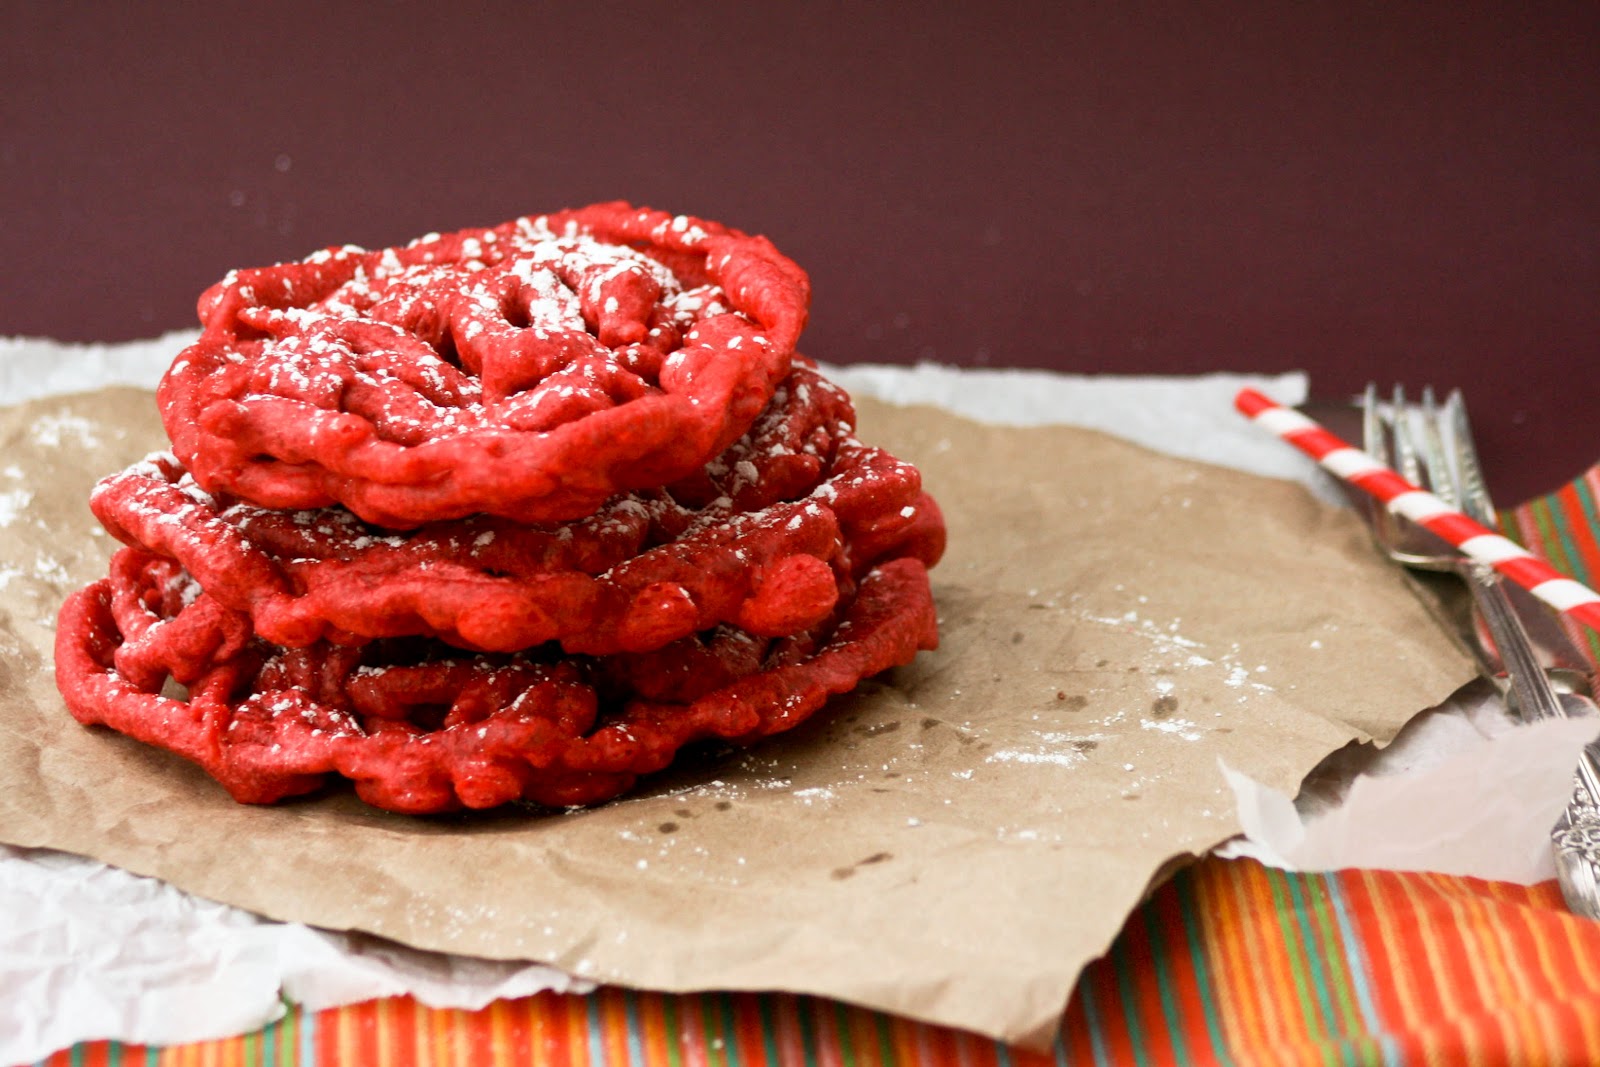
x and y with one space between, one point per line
1391 431
1375 441
1442 473
1474 489
1407 459
1372 436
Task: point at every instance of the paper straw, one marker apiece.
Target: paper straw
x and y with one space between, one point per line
1401 497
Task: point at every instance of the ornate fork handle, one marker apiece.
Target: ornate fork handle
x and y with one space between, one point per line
1576 838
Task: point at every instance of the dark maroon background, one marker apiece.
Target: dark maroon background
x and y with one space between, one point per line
1364 191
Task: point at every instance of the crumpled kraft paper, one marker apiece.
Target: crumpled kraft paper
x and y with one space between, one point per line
954 842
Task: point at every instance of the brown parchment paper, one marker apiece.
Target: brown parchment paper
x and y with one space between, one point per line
954 842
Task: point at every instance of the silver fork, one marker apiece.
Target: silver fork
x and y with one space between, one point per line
1431 446
1410 439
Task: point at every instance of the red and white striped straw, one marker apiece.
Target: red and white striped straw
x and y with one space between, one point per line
1423 508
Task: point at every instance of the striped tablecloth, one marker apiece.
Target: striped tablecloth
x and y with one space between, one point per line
1230 962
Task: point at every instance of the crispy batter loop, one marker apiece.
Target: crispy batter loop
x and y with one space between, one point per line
419 728
754 540
531 370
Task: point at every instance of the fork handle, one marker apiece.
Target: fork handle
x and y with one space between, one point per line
1577 837
1532 695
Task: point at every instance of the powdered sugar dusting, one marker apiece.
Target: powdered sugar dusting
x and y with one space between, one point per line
1183 728
13 502
45 568
49 431
1050 747
1175 655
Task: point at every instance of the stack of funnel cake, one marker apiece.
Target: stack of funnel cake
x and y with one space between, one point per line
501 515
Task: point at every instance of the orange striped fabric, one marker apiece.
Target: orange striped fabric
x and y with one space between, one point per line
1231 962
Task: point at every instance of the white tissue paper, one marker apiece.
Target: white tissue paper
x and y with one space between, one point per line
1463 790
88 952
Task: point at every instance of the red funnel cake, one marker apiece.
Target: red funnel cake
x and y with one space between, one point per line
505 515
